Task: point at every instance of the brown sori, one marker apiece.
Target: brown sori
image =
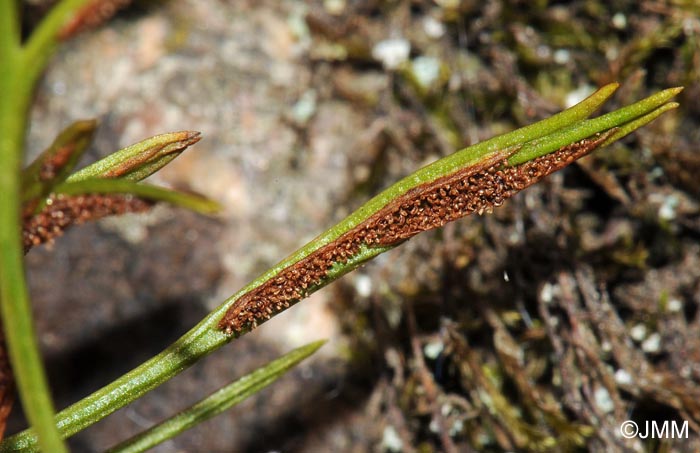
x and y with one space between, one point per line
51 167
477 189
63 211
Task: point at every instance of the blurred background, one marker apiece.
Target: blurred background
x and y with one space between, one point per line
541 327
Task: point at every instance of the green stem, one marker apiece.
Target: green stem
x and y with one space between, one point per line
14 298
206 337
9 30
197 343
147 191
21 68
44 39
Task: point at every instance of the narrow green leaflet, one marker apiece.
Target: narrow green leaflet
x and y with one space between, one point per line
522 145
626 119
218 401
124 186
139 160
55 164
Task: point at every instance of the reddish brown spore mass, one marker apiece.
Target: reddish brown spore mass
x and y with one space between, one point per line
475 189
64 211
50 168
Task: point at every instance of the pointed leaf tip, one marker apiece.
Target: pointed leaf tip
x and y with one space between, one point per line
609 89
189 137
141 159
643 120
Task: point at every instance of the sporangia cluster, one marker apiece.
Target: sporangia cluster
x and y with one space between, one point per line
477 189
62 211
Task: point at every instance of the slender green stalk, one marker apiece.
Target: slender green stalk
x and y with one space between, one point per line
206 336
217 402
14 299
195 344
147 191
44 39
9 30
21 67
